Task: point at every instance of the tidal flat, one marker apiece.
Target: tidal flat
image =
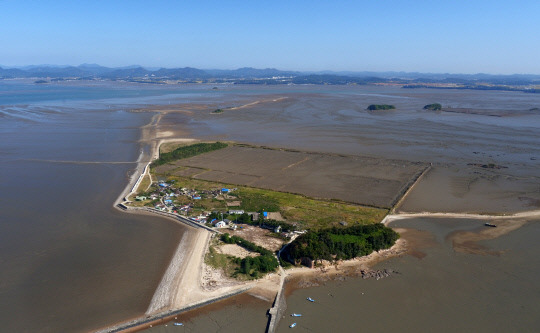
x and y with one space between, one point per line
71 245
334 120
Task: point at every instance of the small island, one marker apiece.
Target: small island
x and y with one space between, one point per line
433 107
376 107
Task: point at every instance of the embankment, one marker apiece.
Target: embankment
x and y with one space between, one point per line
164 316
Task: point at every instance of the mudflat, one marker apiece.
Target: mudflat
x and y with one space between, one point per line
357 179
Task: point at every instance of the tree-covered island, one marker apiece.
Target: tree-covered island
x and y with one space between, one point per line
376 107
433 107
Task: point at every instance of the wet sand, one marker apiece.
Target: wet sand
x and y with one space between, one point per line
463 188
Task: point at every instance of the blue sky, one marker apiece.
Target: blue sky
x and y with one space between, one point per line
498 37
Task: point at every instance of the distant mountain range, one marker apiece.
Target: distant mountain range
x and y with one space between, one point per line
97 71
248 75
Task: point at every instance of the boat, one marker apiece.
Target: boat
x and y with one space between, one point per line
310 299
296 315
292 325
490 225
178 324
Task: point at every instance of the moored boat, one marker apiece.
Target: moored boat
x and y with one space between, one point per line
178 324
292 325
310 299
490 225
296 315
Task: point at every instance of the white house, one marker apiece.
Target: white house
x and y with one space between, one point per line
220 224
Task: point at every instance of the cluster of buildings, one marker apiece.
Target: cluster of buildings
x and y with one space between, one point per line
163 199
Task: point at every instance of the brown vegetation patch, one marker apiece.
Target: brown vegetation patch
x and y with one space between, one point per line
261 237
362 180
235 251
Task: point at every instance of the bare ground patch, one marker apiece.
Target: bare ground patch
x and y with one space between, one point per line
235 251
258 236
357 179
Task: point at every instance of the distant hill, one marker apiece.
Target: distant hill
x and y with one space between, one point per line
250 72
135 72
249 75
181 73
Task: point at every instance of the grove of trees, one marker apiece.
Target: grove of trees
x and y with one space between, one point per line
341 243
187 151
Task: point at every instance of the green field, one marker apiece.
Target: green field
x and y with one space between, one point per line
308 212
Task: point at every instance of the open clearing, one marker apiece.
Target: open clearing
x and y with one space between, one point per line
356 179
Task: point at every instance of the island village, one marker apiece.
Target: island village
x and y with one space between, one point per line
165 196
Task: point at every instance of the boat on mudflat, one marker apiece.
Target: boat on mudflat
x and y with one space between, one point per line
292 325
296 315
178 324
310 299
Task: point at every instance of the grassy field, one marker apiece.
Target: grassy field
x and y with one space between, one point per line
308 212
221 261
144 185
314 213
224 262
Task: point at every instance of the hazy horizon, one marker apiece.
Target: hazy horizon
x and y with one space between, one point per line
492 37
155 68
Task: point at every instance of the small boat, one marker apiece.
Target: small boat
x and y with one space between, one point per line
490 225
178 324
296 315
292 325
310 299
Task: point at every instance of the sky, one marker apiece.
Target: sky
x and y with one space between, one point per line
496 37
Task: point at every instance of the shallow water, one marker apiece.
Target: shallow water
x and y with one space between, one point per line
242 313
443 292
68 260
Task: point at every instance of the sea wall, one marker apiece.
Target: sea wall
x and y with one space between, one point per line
279 306
165 214
398 199
164 316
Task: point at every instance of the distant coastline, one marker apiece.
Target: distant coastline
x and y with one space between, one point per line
46 74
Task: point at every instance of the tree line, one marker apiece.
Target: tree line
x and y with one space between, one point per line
188 151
